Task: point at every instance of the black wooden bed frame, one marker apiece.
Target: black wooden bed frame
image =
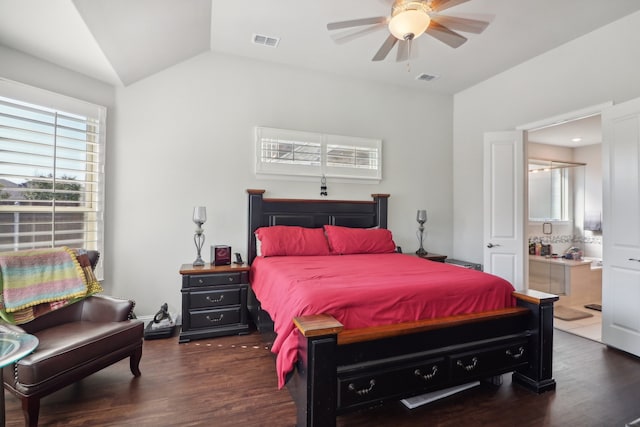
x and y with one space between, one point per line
342 370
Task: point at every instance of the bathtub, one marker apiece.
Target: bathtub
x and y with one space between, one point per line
595 262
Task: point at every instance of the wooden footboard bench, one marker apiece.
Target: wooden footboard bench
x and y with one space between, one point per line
343 370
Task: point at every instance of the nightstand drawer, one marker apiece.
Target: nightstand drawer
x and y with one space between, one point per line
216 279
214 318
214 298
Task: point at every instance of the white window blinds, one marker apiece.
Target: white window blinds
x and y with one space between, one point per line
288 152
51 170
351 157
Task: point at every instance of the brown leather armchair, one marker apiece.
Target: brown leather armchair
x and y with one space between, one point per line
75 341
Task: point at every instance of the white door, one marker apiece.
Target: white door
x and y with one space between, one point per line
504 206
621 226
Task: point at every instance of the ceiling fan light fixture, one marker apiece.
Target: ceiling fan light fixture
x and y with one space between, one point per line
409 20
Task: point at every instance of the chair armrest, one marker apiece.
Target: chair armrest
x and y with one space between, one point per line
66 314
103 308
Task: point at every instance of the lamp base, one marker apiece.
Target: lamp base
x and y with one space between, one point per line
421 252
198 239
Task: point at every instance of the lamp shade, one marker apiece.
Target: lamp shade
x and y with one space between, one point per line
421 216
200 214
409 24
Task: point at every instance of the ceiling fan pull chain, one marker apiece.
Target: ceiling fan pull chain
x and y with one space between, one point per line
409 55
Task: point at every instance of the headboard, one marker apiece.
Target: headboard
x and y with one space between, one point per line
312 213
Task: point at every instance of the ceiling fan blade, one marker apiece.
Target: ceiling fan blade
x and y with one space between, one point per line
440 5
457 23
445 35
385 48
348 35
403 51
356 23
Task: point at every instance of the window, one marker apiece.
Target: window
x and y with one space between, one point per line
51 170
288 152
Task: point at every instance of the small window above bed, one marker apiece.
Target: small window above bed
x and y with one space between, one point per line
308 154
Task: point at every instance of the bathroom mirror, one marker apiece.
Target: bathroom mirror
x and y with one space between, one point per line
553 187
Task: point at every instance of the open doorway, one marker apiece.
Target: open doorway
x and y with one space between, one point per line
564 220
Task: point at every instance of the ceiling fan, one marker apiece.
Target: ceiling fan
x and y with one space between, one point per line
410 19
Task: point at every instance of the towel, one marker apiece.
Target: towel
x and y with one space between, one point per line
32 277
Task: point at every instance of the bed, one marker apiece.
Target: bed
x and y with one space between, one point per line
335 367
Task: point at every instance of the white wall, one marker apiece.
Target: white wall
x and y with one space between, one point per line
549 152
26 69
598 67
184 137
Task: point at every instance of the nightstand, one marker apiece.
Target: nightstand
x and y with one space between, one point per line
214 301
432 256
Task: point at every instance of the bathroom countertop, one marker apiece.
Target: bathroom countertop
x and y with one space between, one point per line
567 262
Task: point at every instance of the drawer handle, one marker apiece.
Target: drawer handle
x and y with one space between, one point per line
362 391
426 377
215 300
471 367
230 279
517 355
200 281
215 320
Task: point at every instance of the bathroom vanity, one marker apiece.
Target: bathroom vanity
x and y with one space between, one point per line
577 282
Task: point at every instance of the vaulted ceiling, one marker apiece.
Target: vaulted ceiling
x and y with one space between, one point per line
123 41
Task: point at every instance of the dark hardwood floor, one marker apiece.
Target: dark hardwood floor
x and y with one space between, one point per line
231 381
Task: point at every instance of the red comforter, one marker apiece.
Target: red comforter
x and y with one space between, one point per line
367 290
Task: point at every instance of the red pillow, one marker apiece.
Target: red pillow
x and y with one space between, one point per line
345 240
282 240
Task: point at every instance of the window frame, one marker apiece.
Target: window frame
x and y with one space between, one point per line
365 150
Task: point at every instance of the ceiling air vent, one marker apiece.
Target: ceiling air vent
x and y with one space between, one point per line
426 77
266 40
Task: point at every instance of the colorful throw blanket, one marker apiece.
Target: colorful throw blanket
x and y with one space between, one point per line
33 282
